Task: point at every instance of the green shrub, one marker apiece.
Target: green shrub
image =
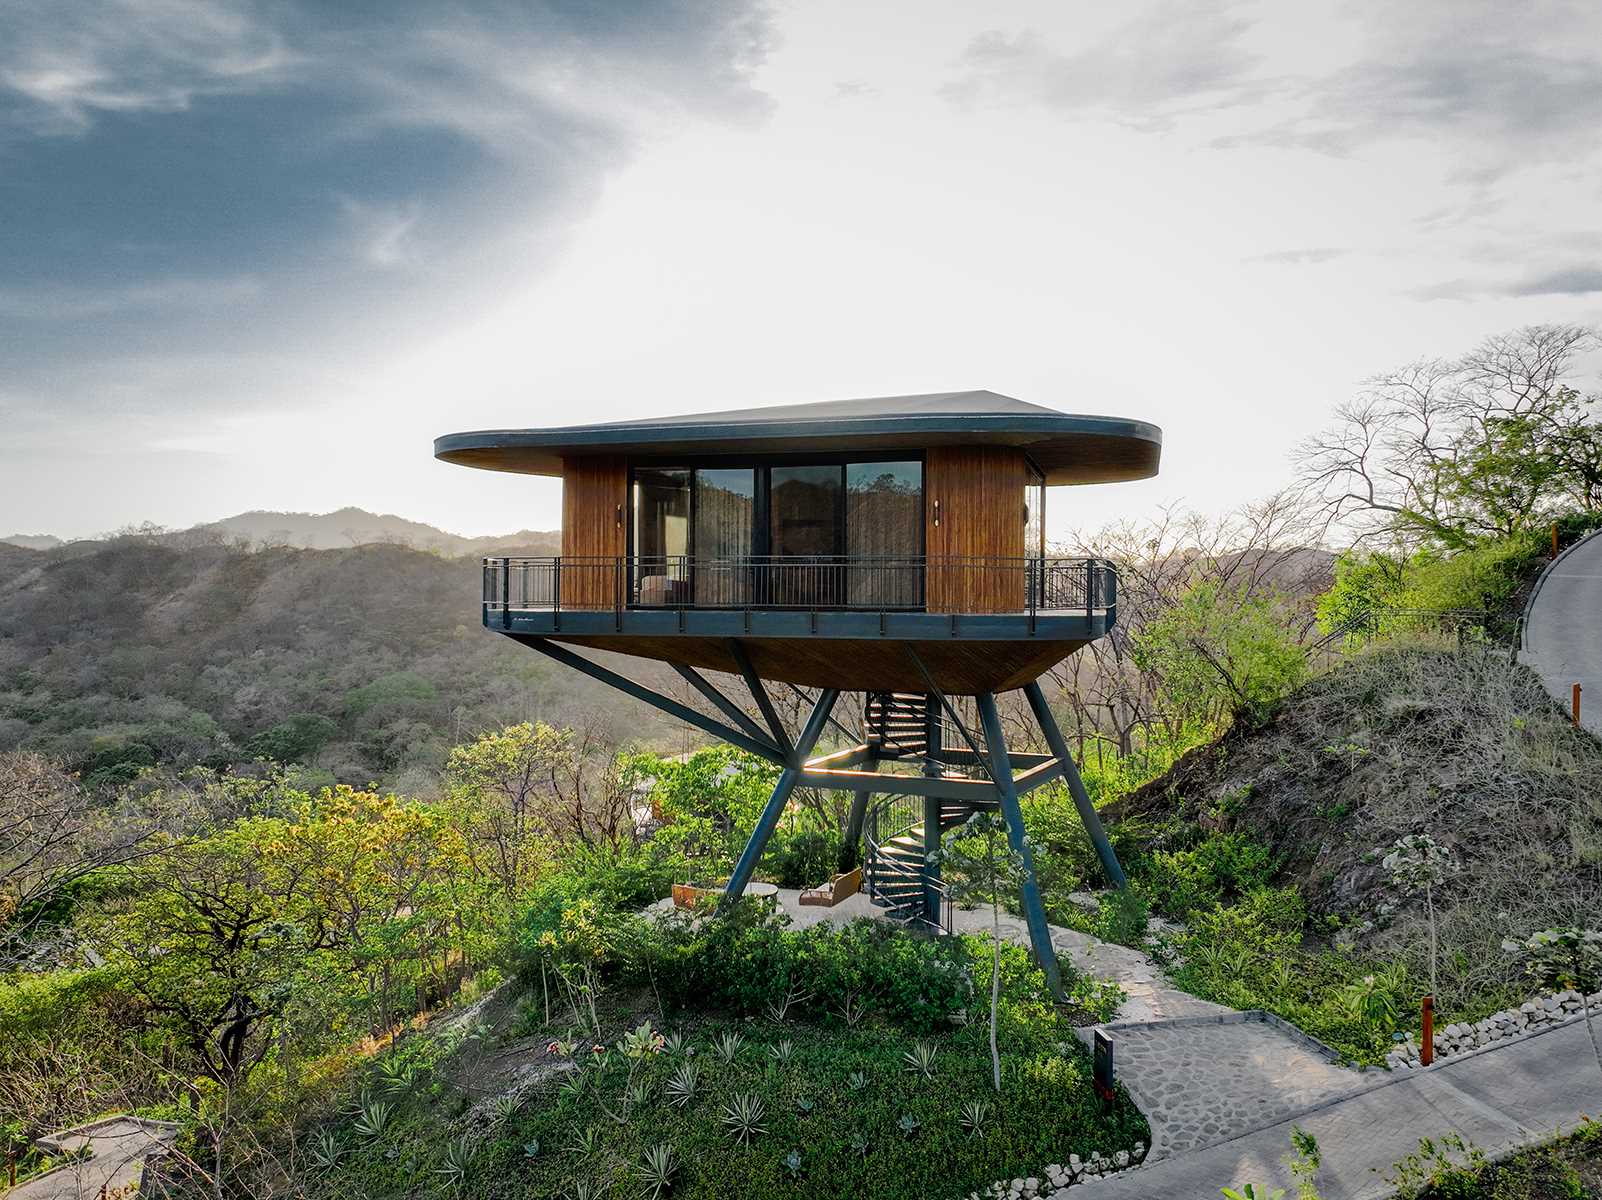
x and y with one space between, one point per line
803 858
750 960
1121 917
1223 867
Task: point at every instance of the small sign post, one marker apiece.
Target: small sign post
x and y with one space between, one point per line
1103 1073
1426 1052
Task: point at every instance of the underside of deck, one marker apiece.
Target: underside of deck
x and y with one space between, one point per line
958 667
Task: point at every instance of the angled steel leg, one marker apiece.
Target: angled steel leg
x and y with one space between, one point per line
1034 913
1070 770
851 850
769 819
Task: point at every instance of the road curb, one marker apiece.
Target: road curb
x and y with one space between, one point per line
1540 582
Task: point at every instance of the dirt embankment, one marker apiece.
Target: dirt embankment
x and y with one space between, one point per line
1459 744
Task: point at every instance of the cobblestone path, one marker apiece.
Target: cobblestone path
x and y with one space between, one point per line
1203 1083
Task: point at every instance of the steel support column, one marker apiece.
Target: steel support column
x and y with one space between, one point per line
769 819
852 849
1001 772
1070 770
931 811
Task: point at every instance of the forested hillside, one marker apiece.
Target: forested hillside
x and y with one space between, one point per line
366 663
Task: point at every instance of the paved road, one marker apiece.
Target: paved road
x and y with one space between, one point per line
1563 636
1507 1096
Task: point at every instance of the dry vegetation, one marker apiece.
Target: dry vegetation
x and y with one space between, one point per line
1414 739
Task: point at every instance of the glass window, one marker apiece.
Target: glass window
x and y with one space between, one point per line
661 534
806 520
1035 515
724 502
884 533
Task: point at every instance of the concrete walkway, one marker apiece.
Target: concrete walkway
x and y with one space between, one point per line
1563 629
1506 1096
119 1148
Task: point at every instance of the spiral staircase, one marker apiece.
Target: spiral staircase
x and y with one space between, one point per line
895 873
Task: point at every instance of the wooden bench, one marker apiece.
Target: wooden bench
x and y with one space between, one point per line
836 890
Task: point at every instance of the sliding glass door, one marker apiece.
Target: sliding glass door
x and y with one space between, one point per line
725 503
809 535
884 534
806 536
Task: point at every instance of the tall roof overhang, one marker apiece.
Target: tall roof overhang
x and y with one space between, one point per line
1068 448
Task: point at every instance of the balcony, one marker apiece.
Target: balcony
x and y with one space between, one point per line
905 597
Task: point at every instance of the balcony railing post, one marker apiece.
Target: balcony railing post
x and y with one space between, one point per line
617 592
506 593
556 595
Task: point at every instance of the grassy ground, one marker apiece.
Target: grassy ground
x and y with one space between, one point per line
889 1132
1567 1169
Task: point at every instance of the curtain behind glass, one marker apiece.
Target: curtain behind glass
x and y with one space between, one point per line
661 535
884 523
724 501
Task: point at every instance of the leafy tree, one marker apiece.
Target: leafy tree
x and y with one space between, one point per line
533 781
406 907
977 862
50 835
214 934
296 740
1218 651
1454 452
1416 863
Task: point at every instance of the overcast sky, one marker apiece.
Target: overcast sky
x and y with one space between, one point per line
260 255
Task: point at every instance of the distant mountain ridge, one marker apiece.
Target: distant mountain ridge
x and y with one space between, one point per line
31 541
338 530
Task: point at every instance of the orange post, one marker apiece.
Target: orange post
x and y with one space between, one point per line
1576 706
1426 1050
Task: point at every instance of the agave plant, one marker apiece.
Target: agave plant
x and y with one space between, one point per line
584 1189
804 1105
373 1119
743 1116
323 1150
792 1164
782 1052
974 1115
573 1086
586 1142
908 1124
675 1043
657 1170
860 1144
727 1046
531 1148
920 1059
637 1093
504 1109
856 1081
682 1083
395 1076
458 1158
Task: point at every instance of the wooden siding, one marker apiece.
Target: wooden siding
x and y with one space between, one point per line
980 490
594 525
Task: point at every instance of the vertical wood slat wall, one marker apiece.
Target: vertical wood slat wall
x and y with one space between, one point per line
594 493
981 495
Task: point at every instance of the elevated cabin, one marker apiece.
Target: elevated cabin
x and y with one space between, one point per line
816 541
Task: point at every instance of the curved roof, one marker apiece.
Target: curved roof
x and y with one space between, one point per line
1068 448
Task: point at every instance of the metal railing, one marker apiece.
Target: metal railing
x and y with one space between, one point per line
874 584
893 817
